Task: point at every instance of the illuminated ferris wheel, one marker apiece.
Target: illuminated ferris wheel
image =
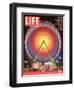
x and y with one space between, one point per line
43 43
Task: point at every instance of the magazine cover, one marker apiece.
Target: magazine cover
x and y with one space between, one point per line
43 44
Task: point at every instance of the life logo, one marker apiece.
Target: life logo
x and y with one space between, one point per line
32 21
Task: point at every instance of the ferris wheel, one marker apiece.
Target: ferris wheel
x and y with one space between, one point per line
43 43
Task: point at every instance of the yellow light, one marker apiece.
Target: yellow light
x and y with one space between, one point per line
43 37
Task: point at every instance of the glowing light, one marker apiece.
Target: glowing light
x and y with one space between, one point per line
39 38
43 34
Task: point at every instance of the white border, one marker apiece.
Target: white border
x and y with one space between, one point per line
43 78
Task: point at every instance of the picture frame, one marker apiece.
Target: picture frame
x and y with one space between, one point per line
26 23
